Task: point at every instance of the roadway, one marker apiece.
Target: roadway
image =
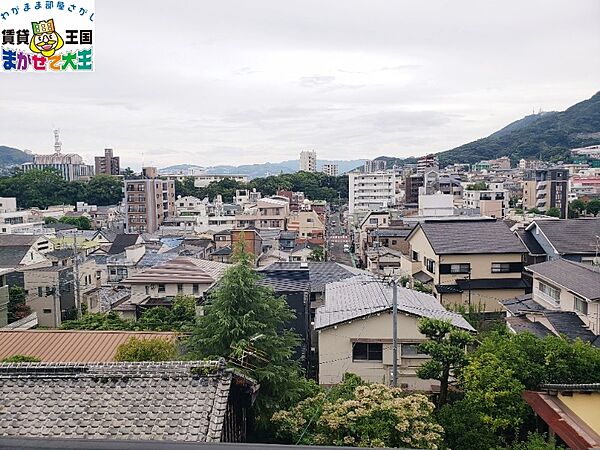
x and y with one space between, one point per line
336 237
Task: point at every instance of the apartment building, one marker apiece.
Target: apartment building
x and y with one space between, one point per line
107 164
427 163
148 201
4 297
374 165
308 161
268 213
331 170
203 180
466 261
551 190
307 225
371 191
492 202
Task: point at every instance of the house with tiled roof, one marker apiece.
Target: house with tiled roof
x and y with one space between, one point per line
355 331
565 300
195 402
466 262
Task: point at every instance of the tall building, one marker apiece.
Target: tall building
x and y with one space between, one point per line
330 169
308 161
107 164
552 187
371 191
375 165
428 162
70 165
148 201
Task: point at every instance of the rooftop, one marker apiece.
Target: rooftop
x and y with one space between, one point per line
582 279
11 256
319 274
180 270
121 241
573 236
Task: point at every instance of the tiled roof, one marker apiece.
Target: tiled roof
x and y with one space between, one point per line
141 401
11 256
10 240
470 237
569 324
68 345
583 279
121 241
223 251
391 232
180 270
522 305
520 324
320 273
491 283
530 242
571 235
364 295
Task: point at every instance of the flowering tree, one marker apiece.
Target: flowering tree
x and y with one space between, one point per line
361 415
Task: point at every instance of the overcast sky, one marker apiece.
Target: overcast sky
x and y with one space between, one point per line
235 82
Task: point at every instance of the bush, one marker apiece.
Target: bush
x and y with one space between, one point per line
153 349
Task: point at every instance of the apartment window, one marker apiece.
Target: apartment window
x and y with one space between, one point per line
394 241
40 291
411 350
506 267
47 311
195 288
367 351
415 256
581 305
161 288
179 288
373 221
429 264
550 291
454 268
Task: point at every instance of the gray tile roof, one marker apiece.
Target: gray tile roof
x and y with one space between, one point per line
364 295
9 240
121 241
141 401
533 246
11 256
582 279
320 273
471 237
520 324
391 232
572 235
522 304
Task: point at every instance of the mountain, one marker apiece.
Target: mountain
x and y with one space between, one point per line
547 136
12 157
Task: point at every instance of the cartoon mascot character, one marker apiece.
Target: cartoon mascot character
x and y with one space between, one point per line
45 39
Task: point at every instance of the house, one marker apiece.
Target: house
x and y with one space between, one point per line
268 213
222 255
393 238
222 239
574 239
24 250
302 252
125 401
307 225
372 221
75 346
355 331
384 260
466 261
565 301
569 411
287 240
253 242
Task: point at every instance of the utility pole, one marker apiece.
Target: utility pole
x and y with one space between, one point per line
394 332
77 289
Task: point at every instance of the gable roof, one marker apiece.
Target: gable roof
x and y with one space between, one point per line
364 295
69 345
142 401
121 241
319 273
570 236
12 240
180 270
582 279
11 256
533 246
469 237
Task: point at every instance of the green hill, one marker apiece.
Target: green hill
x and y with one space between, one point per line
546 136
11 156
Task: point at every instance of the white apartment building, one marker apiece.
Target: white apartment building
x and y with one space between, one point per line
204 180
371 191
491 202
331 170
308 161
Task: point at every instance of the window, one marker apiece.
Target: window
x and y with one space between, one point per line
363 351
429 264
394 241
161 288
179 288
581 305
373 221
415 256
411 349
506 267
550 291
195 288
455 268
47 311
40 291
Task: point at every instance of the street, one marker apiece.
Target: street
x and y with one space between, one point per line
336 238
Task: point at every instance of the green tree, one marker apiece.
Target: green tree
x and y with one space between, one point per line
81 222
447 347
20 359
535 441
17 306
578 205
99 321
359 414
317 254
152 349
553 212
128 172
48 220
593 207
181 316
104 190
479 186
245 322
533 211
186 187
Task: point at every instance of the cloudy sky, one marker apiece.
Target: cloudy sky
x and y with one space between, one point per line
238 81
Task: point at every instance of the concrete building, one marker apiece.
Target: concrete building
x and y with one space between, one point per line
307 225
203 180
435 205
331 169
427 163
4 298
375 165
552 187
71 166
148 201
371 191
492 201
268 213
308 161
107 164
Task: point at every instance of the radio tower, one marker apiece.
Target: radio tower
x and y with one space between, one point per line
57 143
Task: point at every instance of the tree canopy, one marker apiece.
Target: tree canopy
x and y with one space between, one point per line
153 349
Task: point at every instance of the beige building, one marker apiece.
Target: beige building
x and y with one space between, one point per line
148 201
307 224
466 261
308 161
268 213
529 193
107 164
355 332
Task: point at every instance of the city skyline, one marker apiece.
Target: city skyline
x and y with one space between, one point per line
267 82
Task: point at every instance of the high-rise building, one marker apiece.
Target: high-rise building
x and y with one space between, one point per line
330 169
551 190
148 201
371 191
428 162
107 164
308 161
70 165
375 165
